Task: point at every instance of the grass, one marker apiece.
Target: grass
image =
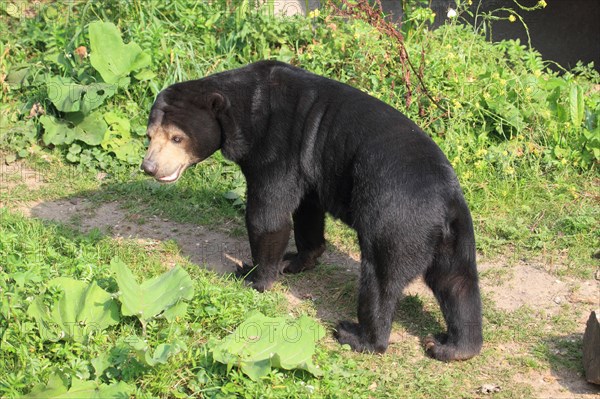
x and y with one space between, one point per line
531 186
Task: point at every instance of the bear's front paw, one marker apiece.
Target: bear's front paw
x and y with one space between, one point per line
245 271
350 333
251 278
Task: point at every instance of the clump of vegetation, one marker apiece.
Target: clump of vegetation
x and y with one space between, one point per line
80 79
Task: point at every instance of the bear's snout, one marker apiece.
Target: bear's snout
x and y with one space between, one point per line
149 167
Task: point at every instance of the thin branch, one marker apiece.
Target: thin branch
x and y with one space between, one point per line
374 17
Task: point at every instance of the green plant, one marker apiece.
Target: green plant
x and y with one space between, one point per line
58 387
73 89
261 342
82 309
162 294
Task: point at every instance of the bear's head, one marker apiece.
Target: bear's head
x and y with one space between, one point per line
183 129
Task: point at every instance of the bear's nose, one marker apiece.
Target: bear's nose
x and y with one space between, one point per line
149 167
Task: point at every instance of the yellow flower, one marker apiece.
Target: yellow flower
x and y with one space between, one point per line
573 190
512 18
542 3
314 13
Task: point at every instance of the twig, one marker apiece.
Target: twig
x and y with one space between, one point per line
364 11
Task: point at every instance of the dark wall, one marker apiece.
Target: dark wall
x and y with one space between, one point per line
565 31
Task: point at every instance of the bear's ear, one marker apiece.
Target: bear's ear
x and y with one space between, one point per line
217 102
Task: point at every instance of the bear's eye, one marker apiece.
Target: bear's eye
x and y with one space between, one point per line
177 139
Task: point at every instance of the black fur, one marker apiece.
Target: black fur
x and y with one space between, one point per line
309 145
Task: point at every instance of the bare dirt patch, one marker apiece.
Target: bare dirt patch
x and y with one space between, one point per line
529 285
568 385
214 250
17 173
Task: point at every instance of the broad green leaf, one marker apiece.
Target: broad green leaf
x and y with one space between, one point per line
57 387
262 342
22 278
118 123
101 363
117 390
88 128
576 105
95 94
285 54
144 74
231 195
82 309
113 59
175 311
161 354
10 158
117 139
69 96
153 296
128 151
57 132
64 93
16 76
50 330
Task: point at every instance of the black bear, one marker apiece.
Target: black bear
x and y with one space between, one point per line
309 145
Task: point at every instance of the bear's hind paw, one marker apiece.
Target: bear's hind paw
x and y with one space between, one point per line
438 348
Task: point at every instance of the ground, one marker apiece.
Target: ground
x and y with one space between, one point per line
509 284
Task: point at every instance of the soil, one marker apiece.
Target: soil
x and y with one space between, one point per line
510 286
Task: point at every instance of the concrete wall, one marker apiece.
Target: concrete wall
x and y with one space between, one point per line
292 7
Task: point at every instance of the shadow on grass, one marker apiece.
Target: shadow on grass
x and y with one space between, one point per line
564 354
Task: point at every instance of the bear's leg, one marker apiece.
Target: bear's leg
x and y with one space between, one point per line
309 233
456 288
380 288
267 251
269 226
